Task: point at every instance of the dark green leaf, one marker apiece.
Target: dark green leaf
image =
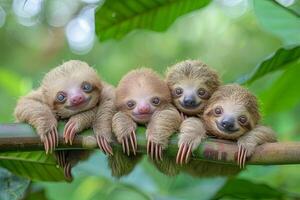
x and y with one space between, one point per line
244 189
32 165
12 187
281 59
116 18
278 20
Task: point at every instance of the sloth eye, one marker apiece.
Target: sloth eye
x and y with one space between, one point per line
61 97
243 119
218 111
178 91
201 92
155 101
130 104
86 87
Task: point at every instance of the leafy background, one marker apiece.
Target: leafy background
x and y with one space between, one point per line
254 42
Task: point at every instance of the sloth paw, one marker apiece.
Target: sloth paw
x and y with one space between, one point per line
129 142
184 153
50 139
104 145
243 153
70 131
154 150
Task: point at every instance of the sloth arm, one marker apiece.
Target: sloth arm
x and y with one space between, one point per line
192 132
102 125
33 110
162 125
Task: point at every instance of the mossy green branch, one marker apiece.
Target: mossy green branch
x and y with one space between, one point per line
22 137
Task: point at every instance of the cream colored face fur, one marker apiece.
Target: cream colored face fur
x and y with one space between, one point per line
71 88
192 96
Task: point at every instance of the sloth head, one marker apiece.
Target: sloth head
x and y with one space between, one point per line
191 83
140 93
71 88
231 112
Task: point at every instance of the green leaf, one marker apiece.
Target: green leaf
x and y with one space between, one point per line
33 165
284 93
281 59
116 18
12 187
244 189
278 20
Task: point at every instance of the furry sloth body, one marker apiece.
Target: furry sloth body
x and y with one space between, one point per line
232 113
191 83
73 92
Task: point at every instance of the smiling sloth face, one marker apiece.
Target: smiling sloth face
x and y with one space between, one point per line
231 112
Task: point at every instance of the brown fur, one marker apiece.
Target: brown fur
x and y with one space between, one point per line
239 100
192 75
142 83
41 109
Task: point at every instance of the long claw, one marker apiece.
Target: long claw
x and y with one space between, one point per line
156 151
160 153
46 145
183 153
102 145
188 154
108 147
127 146
245 157
52 141
152 150
135 140
132 144
148 147
123 145
72 134
56 136
238 154
179 154
241 157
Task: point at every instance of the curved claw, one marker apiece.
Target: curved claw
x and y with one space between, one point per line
129 142
69 132
242 156
183 154
46 144
154 150
104 145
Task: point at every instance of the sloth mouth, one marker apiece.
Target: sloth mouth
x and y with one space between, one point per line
142 116
189 107
81 105
229 131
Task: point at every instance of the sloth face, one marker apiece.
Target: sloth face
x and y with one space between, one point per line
227 119
190 96
73 97
141 108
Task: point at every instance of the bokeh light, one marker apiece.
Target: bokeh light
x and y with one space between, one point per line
27 11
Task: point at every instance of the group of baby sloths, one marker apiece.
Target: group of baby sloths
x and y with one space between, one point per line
190 100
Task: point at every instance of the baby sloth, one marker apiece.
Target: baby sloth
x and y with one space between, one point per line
71 91
232 113
192 83
142 97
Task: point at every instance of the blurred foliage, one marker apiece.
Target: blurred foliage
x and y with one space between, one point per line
233 44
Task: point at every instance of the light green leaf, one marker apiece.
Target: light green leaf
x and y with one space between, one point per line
33 165
244 189
278 20
281 59
116 18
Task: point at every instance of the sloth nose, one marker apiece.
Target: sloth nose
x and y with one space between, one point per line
189 101
77 99
144 109
228 123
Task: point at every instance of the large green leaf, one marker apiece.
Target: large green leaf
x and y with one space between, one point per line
33 165
12 187
281 59
116 18
284 93
244 189
278 20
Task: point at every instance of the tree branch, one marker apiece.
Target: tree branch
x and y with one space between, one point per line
22 137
